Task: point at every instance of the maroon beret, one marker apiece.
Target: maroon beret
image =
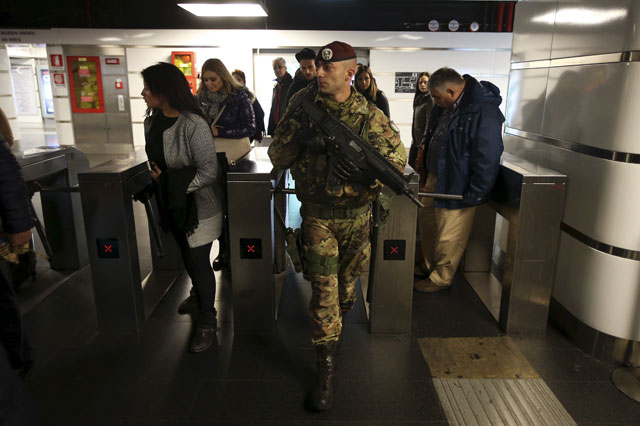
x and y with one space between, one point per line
335 52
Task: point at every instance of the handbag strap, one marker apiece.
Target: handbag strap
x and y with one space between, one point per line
219 114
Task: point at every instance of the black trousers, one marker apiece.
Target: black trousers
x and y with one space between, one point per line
12 335
17 406
198 266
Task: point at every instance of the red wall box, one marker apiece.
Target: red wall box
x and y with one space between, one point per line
85 84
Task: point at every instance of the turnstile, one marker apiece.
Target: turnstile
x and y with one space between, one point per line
254 243
511 256
250 185
123 298
390 289
54 173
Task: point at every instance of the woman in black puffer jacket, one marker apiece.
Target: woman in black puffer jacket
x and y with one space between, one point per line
422 105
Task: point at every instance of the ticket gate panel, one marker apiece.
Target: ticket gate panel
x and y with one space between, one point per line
63 222
391 284
251 236
250 185
123 298
114 255
515 279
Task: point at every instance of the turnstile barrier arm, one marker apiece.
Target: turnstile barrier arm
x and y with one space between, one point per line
144 197
440 196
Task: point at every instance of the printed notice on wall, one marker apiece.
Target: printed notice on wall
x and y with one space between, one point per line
406 82
24 90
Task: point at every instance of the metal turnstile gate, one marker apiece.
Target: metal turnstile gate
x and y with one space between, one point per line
53 172
511 255
123 298
250 186
390 289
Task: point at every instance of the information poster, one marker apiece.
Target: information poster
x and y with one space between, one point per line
85 84
46 94
406 82
24 90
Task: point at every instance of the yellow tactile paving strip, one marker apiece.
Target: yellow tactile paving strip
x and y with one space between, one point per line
475 358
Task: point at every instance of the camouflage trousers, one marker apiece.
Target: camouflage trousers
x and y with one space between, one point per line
348 241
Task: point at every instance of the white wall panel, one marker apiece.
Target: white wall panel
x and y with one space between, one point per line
5 85
15 129
136 84
599 289
8 106
5 64
138 109
138 134
65 133
465 62
596 190
62 109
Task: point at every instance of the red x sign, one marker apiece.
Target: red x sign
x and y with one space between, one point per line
251 249
394 250
107 249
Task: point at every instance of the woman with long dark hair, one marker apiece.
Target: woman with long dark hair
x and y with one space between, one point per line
365 83
227 108
422 105
180 148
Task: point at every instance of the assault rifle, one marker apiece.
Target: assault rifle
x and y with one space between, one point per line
342 142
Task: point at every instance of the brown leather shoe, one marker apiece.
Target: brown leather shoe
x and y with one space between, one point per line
426 286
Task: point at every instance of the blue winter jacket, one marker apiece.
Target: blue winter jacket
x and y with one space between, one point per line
238 119
470 159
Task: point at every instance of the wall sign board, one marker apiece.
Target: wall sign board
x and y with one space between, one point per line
406 82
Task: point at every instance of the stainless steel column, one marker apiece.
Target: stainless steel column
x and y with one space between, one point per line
123 298
517 287
250 184
392 283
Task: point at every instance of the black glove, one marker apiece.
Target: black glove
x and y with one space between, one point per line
348 171
312 139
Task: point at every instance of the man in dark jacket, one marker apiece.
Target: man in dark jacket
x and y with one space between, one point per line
464 145
280 91
306 73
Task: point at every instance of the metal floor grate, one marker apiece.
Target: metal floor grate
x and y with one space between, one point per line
521 402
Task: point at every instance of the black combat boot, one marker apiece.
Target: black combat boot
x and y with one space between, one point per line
205 332
323 390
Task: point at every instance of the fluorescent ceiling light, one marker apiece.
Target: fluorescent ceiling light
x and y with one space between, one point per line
224 9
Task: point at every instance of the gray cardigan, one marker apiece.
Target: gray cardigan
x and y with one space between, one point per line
189 142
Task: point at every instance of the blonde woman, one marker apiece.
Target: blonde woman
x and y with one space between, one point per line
227 108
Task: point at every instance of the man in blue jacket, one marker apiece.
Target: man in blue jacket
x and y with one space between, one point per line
463 149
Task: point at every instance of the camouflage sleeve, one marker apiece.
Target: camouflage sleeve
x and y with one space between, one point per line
386 139
282 151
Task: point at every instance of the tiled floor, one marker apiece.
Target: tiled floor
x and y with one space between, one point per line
84 378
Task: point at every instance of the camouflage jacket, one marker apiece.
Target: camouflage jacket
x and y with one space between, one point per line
310 170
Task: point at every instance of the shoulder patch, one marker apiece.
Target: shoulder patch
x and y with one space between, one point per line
394 127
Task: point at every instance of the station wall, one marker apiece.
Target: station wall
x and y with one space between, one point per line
483 55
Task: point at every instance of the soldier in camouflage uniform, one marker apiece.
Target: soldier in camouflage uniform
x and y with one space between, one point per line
335 221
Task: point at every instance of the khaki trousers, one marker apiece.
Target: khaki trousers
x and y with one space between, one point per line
443 235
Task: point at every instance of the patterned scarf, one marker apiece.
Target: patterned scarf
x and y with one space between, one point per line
210 102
